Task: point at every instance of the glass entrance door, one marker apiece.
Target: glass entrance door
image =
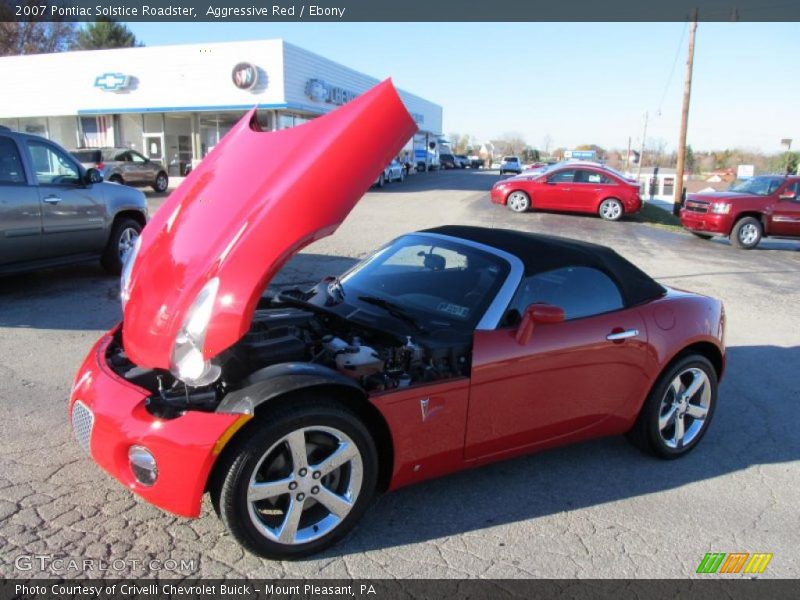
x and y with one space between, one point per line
154 146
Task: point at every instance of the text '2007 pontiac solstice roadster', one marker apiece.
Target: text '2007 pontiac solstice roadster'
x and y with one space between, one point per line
445 349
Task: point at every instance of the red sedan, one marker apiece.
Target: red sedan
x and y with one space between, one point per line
571 187
445 349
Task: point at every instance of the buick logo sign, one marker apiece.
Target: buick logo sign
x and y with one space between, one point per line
245 76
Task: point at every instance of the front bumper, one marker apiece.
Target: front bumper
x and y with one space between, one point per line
498 196
706 222
109 416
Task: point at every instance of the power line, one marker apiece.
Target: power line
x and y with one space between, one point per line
672 70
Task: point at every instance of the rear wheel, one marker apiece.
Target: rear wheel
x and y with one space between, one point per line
678 410
298 480
611 209
518 202
746 233
381 181
116 179
123 237
161 183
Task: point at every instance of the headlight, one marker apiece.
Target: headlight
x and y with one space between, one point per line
187 363
125 278
720 208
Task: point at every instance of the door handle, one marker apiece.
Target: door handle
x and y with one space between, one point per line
51 199
622 335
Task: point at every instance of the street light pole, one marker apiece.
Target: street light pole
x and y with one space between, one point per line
687 92
788 143
641 150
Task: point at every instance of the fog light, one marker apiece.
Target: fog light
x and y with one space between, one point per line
143 465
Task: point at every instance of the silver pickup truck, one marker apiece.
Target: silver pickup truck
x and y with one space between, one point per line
53 211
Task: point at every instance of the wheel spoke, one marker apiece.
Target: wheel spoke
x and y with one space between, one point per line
696 411
679 431
667 419
288 529
268 489
297 446
697 383
342 455
335 503
676 386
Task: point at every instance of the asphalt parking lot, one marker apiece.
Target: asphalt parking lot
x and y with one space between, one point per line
597 509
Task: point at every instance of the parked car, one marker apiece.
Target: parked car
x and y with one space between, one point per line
125 166
54 212
475 162
293 409
535 166
447 161
510 164
394 171
462 162
571 187
763 206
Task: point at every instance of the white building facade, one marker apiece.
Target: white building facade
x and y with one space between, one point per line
174 103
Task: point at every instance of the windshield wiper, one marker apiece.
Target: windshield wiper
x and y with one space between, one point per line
393 309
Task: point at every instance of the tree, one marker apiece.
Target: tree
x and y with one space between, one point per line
510 143
105 33
547 141
30 36
689 159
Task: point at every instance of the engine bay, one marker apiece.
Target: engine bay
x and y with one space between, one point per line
377 360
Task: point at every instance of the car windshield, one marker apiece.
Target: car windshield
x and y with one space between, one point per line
511 159
758 186
439 282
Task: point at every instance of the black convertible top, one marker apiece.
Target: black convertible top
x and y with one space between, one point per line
540 253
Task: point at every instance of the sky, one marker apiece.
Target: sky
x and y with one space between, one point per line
575 83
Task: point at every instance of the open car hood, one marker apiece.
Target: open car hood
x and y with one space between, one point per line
254 201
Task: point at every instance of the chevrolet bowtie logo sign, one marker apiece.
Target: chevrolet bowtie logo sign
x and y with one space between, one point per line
112 82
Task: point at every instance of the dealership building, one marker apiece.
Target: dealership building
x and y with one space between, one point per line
174 103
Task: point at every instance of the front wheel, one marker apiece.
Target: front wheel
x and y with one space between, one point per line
518 202
381 181
298 480
746 233
678 410
611 209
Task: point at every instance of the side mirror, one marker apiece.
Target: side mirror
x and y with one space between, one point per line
93 176
788 196
537 313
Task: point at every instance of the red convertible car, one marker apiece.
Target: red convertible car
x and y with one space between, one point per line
571 187
445 349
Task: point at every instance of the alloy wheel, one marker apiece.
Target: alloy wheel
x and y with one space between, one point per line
305 485
161 183
611 210
684 408
748 234
518 201
127 240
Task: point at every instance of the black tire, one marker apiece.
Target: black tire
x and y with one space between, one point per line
161 182
381 181
646 433
240 461
116 179
702 236
746 233
113 258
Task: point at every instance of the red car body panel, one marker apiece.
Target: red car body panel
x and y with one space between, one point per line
246 210
780 217
569 197
185 449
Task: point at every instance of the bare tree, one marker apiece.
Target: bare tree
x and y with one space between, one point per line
547 141
510 143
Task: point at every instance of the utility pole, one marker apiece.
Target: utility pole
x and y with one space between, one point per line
687 92
628 155
641 151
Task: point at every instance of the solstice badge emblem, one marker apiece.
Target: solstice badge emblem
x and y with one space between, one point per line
245 76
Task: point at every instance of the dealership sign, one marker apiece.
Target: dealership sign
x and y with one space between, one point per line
745 171
320 91
245 76
580 154
112 82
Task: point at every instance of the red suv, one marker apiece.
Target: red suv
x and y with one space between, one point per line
767 205
571 187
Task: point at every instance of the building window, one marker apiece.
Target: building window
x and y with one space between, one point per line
669 186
